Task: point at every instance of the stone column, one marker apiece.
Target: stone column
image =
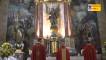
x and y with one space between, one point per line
71 38
3 19
70 20
66 18
102 26
36 19
41 19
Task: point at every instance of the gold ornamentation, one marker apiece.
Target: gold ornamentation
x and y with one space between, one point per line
63 53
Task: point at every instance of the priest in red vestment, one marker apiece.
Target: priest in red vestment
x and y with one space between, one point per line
89 51
62 53
38 51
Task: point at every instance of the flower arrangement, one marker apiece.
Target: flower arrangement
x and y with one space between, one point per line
6 50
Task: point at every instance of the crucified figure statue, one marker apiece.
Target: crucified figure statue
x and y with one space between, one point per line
53 17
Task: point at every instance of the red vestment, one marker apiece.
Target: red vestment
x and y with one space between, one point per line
89 52
59 54
38 52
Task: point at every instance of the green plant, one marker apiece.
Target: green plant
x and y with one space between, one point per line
6 50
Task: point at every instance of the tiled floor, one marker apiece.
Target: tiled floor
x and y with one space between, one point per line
54 58
71 58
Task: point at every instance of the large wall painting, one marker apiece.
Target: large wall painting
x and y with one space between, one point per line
20 25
